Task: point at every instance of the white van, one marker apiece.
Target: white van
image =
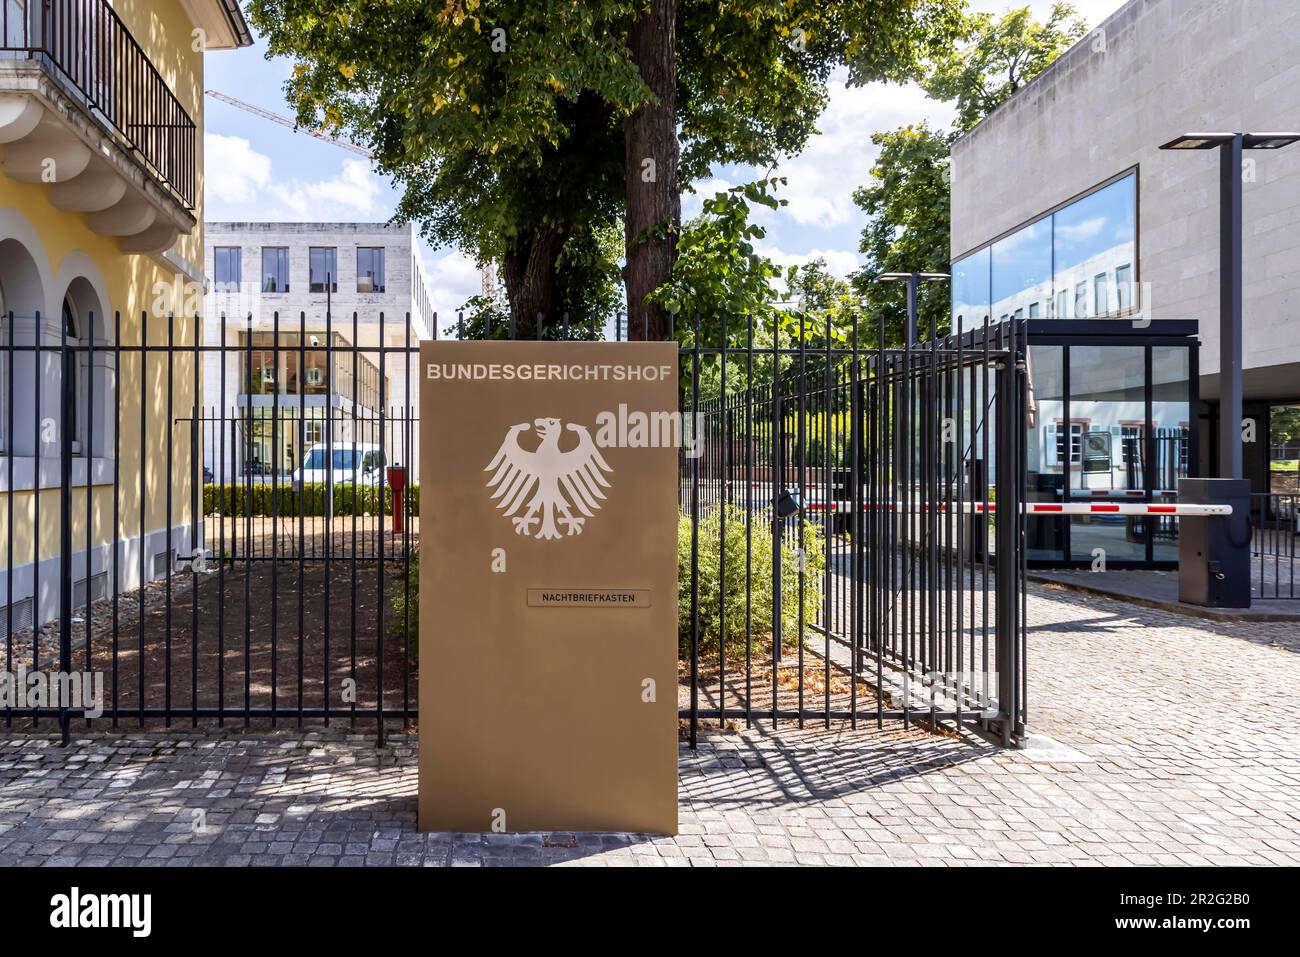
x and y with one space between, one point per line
359 464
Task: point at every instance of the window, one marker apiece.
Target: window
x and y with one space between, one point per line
1130 446
275 269
322 268
1101 294
370 269
320 458
1081 300
1124 287
1070 436
226 268
1022 269
1033 310
970 289
1046 258
1094 235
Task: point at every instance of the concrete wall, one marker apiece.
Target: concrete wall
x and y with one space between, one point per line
1154 70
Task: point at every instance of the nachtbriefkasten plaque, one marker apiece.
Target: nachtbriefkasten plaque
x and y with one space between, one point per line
548 586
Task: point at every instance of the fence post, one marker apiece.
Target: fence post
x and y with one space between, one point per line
774 498
1006 579
68 398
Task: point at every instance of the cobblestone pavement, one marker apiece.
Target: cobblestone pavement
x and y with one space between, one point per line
1173 741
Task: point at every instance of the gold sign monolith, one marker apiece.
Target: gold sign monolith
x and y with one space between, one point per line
548 586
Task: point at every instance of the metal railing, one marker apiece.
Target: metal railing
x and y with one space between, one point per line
1273 546
96 58
221 561
199 590
850 491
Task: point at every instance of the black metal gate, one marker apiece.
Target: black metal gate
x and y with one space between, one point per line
856 552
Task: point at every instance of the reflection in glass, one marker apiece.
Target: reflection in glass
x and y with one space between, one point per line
1101 450
1022 270
1045 476
1093 241
1077 263
970 290
1171 419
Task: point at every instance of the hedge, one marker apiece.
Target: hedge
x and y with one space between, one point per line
348 499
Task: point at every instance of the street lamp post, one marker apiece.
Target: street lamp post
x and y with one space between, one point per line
1214 558
1231 147
913 280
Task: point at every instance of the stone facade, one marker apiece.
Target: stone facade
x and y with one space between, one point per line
1152 71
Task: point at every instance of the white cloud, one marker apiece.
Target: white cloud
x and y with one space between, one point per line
353 191
840 262
835 162
234 172
1094 11
453 277
1085 230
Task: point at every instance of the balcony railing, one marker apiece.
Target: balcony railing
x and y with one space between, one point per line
95 57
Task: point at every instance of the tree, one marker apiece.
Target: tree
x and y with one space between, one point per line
1002 55
906 204
907 200
519 127
652 153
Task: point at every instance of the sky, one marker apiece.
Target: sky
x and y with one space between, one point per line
258 170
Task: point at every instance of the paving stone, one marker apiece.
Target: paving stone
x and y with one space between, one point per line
1178 731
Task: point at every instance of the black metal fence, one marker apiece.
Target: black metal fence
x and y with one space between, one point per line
101 63
1275 518
245 563
855 552
223 523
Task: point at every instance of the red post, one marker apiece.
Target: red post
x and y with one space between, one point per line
397 481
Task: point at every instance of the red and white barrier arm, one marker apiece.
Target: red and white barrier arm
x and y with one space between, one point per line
1074 492
1040 508
1112 492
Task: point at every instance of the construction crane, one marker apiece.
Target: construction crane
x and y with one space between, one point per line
287 121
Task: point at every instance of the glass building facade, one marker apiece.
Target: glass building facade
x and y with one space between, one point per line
1076 262
1111 405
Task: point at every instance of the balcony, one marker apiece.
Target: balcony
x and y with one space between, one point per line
83 110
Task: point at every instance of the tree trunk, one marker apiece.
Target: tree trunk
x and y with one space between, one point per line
528 272
650 139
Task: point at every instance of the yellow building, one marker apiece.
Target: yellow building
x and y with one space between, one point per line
101 212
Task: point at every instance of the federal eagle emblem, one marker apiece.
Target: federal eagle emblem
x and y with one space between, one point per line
547 483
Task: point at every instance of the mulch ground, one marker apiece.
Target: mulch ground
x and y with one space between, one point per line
794 687
261 640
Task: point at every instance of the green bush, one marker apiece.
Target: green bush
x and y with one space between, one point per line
719 600
348 499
